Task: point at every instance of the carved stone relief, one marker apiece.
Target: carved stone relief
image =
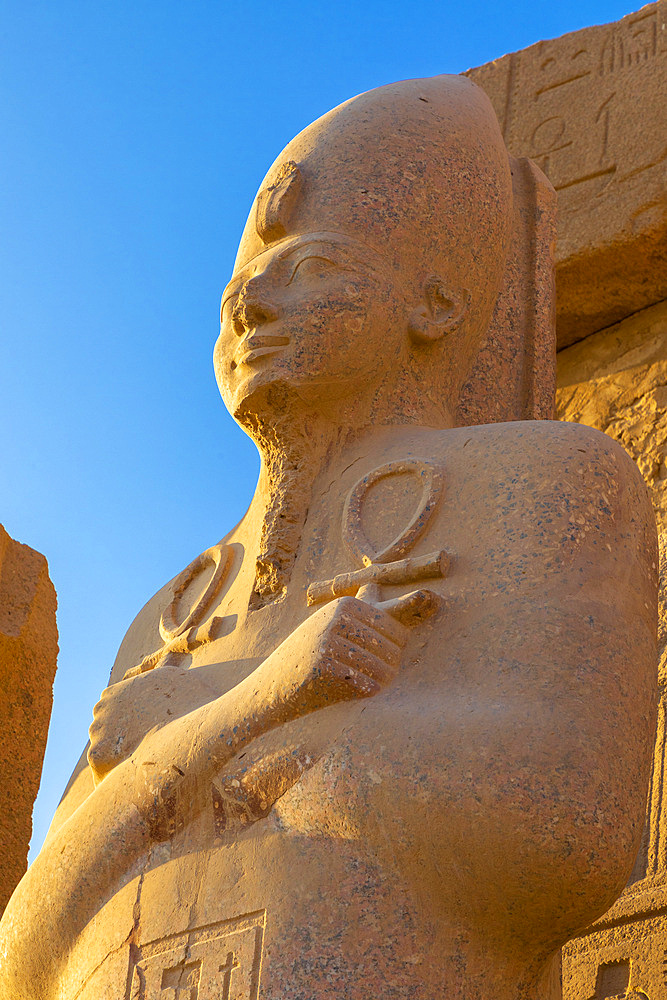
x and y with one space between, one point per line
184 629
390 565
589 109
221 961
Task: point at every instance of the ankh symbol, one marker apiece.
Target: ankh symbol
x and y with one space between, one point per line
186 635
390 565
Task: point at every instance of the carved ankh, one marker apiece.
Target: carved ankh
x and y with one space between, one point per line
391 565
194 629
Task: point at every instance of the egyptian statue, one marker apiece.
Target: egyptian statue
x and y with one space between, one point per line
390 737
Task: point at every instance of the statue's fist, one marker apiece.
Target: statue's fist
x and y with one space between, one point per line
348 649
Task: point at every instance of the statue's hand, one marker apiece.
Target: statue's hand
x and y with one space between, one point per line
131 708
348 649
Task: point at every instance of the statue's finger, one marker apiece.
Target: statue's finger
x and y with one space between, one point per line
412 609
382 668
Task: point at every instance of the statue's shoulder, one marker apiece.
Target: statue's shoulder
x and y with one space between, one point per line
550 514
528 435
534 470
551 451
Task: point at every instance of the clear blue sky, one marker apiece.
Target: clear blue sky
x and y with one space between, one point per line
134 136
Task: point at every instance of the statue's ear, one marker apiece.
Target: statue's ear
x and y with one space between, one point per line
440 311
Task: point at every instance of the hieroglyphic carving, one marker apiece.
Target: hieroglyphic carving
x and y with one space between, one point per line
589 109
430 566
182 981
221 961
558 96
552 139
389 565
430 479
636 45
219 558
186 634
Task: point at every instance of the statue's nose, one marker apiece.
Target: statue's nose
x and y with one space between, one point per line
252 308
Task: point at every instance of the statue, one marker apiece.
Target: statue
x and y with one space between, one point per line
391 736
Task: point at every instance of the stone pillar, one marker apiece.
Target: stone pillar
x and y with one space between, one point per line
28 651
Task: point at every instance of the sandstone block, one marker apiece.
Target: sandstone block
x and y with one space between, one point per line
28 651
589 109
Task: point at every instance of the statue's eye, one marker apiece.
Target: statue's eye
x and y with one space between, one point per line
227 306
315 268
230 297
227 309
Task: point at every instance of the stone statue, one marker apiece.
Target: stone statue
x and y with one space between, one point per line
391 737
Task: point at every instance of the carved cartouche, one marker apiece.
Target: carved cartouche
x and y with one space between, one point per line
391 736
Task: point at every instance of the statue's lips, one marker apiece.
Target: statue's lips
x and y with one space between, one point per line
258 347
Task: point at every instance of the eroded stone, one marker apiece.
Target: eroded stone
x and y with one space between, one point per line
28 652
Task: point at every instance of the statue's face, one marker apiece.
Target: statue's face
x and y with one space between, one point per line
315 312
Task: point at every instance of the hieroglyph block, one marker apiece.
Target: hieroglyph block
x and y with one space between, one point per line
589 109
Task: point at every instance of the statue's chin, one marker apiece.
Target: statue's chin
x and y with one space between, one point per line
261 403
276 400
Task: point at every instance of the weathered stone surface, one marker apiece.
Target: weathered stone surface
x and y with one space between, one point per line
28 651
616 381
589 108
392 735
